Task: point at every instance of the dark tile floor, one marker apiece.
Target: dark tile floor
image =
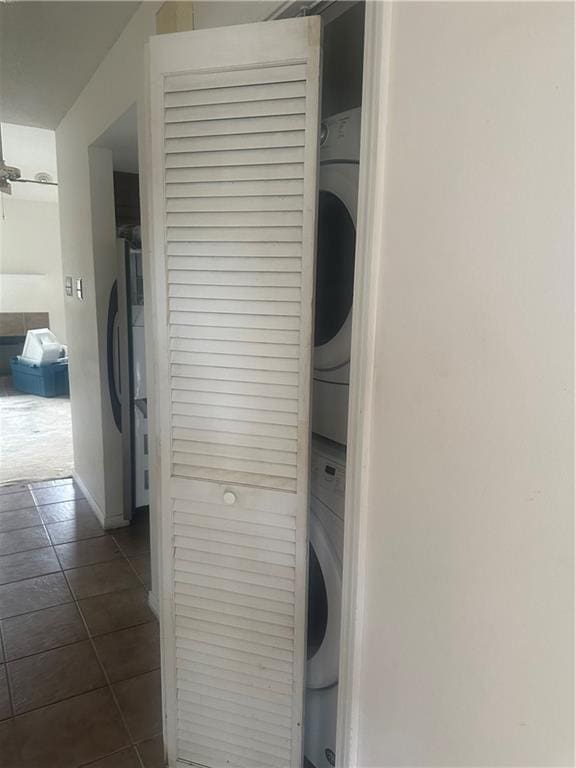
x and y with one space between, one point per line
79 646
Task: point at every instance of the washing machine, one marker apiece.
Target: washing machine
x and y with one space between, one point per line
336 245
326 541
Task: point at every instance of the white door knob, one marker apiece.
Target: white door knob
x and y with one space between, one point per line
229 497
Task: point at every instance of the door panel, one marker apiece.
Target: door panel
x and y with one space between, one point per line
234 135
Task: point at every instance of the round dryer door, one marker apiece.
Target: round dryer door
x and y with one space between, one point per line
337 207
324 601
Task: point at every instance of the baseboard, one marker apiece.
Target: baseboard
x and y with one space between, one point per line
89 498
153 604
116 522
107 524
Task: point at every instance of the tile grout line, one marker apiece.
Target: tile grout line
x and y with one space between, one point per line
125 556
83 693
37 610
32 492
22 489
4 650
133 745
75 601
106 685
72 598
127 559
36 576
73 642
105 674
30 549
44 525
26 488
59 701
61 568
17 509
8 686
140 579
112 754
51 545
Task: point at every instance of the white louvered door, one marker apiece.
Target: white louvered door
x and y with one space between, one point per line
234 136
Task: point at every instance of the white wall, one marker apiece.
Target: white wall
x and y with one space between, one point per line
114 87
30 257
467 655
208 13
105 273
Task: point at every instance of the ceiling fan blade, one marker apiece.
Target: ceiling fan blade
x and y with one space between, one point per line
10 174
35 181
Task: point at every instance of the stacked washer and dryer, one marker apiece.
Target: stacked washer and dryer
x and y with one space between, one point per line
337 211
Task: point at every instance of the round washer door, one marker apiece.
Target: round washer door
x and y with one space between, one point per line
324 601
337 209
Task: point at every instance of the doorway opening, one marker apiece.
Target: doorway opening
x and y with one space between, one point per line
125 343
120 310
35 415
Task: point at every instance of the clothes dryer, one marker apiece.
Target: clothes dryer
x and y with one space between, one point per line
337 216
326 542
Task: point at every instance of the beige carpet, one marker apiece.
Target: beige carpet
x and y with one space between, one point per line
35 436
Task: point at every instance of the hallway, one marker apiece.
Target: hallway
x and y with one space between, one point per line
79 652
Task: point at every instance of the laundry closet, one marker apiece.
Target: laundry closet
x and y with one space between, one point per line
343 43
254 146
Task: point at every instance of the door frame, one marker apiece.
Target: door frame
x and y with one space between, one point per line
370 237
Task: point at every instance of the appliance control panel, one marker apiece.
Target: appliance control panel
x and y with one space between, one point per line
328 475
340 137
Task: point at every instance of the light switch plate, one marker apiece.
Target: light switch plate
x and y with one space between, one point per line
69 286
79 288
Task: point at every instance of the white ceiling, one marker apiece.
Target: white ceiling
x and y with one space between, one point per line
49 51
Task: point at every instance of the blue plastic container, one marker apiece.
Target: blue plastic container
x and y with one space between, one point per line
48 380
